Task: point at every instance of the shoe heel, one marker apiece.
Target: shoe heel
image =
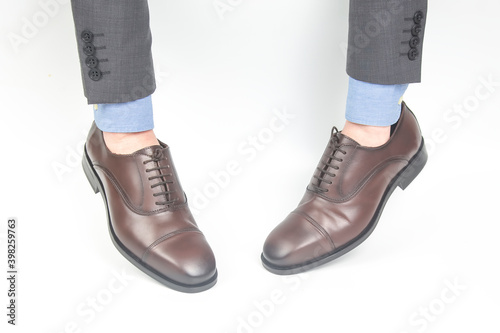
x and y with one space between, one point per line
90 173
414 167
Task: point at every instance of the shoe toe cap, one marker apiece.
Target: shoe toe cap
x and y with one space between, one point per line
184 258
294 242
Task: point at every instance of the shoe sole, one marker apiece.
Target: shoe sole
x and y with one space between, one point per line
402 179
97 186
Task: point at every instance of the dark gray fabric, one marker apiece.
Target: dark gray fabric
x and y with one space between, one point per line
122 39
379 35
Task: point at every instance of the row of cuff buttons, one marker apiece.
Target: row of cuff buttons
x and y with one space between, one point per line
415 31
91 61
95 74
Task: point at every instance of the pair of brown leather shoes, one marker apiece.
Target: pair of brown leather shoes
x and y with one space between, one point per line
151 225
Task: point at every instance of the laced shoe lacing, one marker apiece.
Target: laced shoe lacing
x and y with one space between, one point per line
327 162
166 192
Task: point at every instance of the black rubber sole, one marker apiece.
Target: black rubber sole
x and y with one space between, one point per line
402 179
97 186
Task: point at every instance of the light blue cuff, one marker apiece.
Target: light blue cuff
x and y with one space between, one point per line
373 104
135 116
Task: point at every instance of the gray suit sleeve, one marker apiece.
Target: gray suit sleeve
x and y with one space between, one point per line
385 40
114 46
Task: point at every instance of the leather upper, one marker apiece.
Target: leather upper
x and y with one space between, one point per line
149 212
343 195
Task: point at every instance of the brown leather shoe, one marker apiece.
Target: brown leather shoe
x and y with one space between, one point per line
148 216
345 198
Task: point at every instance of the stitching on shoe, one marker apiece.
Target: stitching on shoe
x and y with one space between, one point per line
317 226
372 173
126 200
364 181
164 238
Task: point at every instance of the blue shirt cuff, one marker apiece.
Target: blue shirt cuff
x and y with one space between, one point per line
374 104
134 116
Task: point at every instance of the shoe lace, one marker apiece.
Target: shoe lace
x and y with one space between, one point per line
166 192
327 161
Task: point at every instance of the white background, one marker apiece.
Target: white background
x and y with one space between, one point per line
219 81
